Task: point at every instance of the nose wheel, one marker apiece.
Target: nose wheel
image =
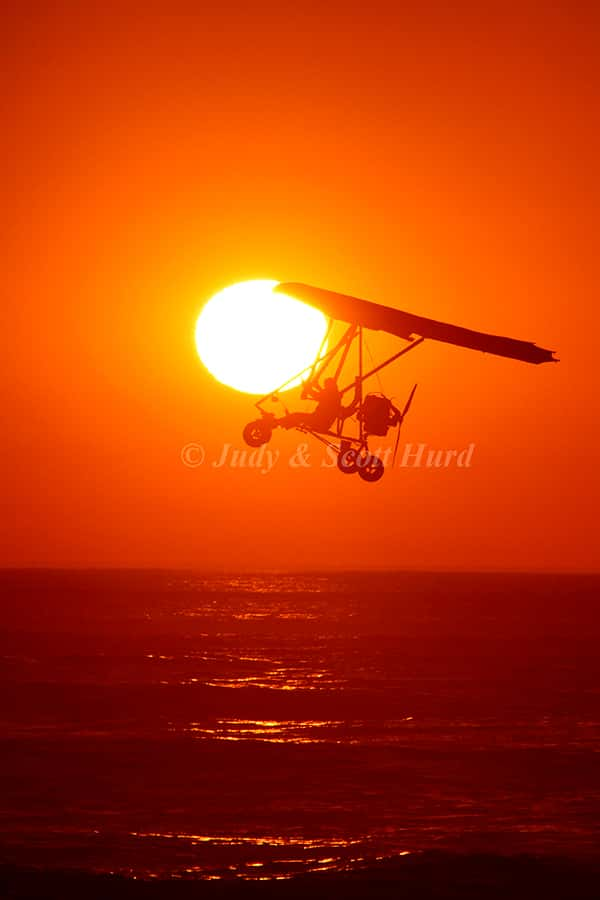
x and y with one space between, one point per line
257 433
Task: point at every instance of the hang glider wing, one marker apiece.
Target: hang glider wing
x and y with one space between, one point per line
406 325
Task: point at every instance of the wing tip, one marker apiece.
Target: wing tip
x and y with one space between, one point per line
549 355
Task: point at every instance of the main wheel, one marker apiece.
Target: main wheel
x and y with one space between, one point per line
370 468
347 461
257 433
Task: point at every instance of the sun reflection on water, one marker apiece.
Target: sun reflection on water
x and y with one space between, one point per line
273 731
266 859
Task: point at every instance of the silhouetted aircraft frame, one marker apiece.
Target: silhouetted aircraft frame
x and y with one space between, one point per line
374 414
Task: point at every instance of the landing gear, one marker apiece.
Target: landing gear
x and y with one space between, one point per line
347 461
370 468
257 433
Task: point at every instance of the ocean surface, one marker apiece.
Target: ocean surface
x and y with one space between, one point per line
256 726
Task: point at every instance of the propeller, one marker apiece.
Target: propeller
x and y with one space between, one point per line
408 402
402 415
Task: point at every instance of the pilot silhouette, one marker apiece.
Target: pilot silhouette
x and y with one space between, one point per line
329 408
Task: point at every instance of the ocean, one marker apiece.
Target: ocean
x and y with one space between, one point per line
256 726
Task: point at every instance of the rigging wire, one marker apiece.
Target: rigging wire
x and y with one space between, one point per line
379 381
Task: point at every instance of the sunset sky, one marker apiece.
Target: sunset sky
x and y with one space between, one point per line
440 160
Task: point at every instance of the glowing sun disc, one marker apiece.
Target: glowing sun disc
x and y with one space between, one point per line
253 340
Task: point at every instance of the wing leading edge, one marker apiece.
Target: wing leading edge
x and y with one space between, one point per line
405 325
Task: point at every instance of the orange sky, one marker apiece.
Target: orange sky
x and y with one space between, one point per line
443 162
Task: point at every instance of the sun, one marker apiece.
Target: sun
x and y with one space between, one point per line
254 340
